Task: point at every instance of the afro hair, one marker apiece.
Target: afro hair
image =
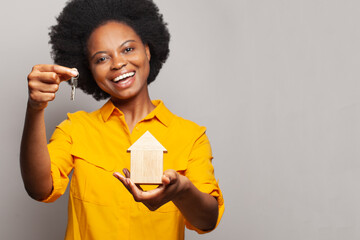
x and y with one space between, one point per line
80 18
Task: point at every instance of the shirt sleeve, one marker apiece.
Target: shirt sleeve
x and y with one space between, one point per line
61 160
200 171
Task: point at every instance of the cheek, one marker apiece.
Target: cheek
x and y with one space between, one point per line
147 69
102 85
145 66
93 70
144 73
97 73
98 76
142 64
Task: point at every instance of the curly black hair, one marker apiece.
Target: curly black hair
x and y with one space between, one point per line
80 18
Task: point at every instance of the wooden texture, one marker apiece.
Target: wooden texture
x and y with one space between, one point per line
146 165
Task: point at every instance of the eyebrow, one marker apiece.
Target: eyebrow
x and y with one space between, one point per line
100 52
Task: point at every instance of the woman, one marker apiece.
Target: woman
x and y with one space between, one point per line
118 47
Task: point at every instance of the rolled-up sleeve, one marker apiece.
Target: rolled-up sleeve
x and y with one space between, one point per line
61 160
200 171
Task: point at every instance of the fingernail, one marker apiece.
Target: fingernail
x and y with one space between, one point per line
74 71
116 175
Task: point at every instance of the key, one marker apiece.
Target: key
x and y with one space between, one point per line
74 83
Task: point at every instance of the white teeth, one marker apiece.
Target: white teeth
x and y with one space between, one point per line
123 76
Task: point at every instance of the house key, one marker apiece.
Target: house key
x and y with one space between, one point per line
74 83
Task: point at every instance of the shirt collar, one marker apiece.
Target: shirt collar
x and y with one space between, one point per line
160 112
107 110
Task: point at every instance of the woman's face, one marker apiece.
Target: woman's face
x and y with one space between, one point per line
119 61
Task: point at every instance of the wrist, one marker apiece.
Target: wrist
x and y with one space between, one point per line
36 107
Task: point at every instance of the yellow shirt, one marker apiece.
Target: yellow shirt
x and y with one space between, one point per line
94 145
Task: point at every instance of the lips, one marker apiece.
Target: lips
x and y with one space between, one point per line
123 76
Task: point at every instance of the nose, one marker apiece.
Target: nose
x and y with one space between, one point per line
118 62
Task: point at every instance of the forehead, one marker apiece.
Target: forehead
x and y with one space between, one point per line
111 33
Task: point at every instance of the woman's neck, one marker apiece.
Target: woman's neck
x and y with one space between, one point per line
134 110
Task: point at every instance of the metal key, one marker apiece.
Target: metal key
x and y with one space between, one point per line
74 83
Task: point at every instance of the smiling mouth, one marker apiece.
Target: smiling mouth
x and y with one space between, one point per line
123 76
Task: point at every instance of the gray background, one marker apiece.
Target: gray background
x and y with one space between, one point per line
275 82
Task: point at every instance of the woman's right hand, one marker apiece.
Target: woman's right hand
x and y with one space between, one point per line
43 83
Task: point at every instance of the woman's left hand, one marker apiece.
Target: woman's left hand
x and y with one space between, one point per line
173 184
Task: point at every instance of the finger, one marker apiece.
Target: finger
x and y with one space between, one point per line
122 179
165 180
43 87
119 176
135 190
141 196
126 172
169 177
64 73
45 77
41 97
65 77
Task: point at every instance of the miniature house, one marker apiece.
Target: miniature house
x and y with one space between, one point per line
146 165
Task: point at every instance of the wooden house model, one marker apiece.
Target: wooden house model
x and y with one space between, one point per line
146 165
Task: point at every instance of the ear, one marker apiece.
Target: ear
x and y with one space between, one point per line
147 52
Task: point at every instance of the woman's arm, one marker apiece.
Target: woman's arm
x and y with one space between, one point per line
43 83
199 208
34 156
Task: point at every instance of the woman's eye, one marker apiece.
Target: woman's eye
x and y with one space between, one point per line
99 60
129 49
